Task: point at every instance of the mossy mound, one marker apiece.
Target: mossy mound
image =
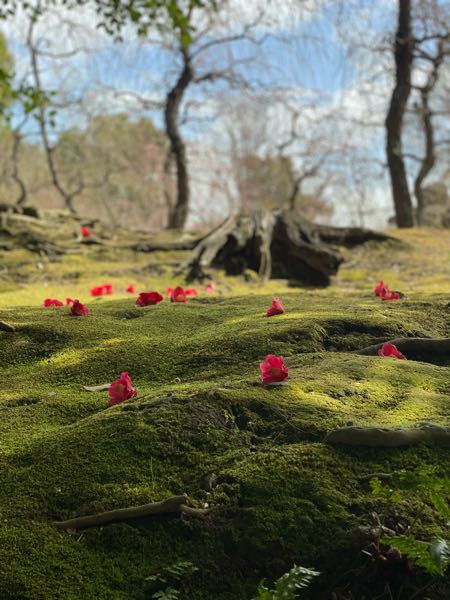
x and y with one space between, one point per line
279 495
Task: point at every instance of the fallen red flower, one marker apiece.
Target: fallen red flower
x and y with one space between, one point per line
178 295
97 291
276 308
121 390
392 295
148 298
388 349
380 289
191 292
210 288
86 232
131 289
69 301
79 310
273 370
102 290
52 302
169 292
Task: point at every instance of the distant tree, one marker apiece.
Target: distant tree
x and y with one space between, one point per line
403 54
6 71
119 162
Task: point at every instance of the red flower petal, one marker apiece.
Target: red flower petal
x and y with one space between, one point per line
388 349
273 369
86 232
392 295
191 292
148 298
276 308
380 289
131 289
121 390
79 310
52 302
178 295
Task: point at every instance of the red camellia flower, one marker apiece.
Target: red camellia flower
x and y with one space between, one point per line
388 349
69 301
276 308
97 291
191 292
380 289
121 390
86 232
131 289
273 370
79 310
52 302
392 295
169 292
210 288
102 290
148 298
178 295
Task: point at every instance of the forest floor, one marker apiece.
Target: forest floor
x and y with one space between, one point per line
279 495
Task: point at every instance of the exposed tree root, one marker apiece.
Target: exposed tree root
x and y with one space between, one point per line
390 438
413 346
165 246
173 505
349 237
6 326
274 244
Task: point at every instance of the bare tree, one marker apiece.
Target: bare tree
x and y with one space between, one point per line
425 113
403 54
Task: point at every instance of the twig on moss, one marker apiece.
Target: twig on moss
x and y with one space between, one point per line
390 438
412 346
173 505
6 327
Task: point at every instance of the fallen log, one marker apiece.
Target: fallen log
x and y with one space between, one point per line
412 347
377 437
173 505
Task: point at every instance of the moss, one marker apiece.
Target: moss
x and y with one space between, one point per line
281 495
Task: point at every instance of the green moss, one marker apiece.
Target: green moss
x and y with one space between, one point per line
282 496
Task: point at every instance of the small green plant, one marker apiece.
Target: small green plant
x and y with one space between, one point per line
172 575
432 556
288 586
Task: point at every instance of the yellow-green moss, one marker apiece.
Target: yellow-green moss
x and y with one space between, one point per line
282 496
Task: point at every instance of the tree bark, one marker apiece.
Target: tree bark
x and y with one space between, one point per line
429 158
403 54
178 213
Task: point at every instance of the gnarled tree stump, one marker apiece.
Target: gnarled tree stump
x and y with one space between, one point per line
274 244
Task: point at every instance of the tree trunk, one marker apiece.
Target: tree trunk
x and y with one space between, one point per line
429 158
403 54
179 212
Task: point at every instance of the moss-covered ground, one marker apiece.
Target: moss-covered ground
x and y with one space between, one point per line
280 495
